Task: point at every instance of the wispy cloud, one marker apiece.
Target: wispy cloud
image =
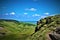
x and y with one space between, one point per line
35 15
12 13
30 9
46 13
43 16
25 13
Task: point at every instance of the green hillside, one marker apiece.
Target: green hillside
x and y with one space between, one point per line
15 30
44 27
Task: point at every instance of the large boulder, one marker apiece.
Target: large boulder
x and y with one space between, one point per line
55 35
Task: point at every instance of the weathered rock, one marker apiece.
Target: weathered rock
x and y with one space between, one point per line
55 35
1 28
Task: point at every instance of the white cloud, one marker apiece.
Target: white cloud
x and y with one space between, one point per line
12 13
43 16
30 9
35 15
46 13
33 9
25 13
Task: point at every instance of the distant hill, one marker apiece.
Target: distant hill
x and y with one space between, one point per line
15 30
44 27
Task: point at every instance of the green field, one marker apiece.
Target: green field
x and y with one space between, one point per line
15 30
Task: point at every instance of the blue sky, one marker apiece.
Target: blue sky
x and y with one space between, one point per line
28 10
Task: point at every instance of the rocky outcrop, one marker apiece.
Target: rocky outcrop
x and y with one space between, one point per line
55 35
45 29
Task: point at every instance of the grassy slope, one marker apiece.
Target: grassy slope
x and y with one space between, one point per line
45 26
22 31
15 30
